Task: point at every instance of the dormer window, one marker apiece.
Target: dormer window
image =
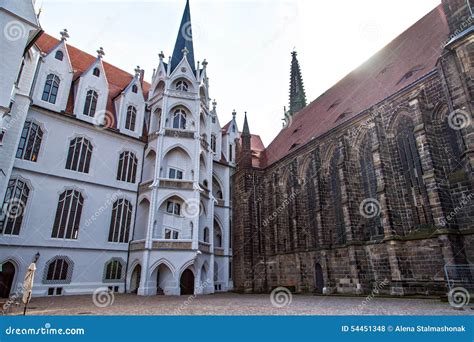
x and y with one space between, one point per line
96 72
59 55
51 86
182 86
91 103
131 118
179 119
134 89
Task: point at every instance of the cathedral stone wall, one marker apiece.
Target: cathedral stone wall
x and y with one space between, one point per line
303 222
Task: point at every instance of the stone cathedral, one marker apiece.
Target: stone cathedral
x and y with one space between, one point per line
371 184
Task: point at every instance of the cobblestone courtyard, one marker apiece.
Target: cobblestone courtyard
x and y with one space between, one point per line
237 304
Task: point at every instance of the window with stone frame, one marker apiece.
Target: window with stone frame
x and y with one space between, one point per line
58 271
127 167
312 200
68 215
412 173
14 205
131 118
206 235
336 197
213 143
174 173
30 142
90 104
372 225
120 221
173 207
171 234
113 270
179 119
59 55
51 87
79 155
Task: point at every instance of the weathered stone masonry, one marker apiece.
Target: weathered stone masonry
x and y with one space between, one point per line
298 222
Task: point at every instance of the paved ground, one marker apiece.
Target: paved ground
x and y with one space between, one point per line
237 304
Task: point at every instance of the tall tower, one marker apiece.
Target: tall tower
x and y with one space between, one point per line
175 237
297 94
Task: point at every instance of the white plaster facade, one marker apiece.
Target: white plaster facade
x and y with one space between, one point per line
162 246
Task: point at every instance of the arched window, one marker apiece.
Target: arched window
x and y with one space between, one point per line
59 55
58 271
51 87
182 86
213 142
373 226
337 199
131 118
134 89
113 270
412 172
120 221
30 142
79 155
91 103
13 209
206 234
217 235
68 215
96 72
179 119
127 167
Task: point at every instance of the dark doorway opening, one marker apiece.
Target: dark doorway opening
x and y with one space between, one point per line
319 278
6 279
187 282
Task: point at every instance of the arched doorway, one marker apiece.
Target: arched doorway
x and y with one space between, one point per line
164 279
6 279
186 282
319 278
135 279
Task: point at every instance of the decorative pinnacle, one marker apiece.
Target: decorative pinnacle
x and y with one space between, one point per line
100 53
161 55
137 70
185 51
64 34
214 104
234 113
204 63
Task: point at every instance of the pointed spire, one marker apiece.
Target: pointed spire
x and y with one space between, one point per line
297 93
246 130
184 42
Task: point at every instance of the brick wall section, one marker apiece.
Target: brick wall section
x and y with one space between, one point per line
294 227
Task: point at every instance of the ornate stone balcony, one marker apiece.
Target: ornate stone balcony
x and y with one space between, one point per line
204 247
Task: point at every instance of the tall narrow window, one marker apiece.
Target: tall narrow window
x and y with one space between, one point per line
91 103
373 226
120 221
79 156
13 209
231 152
131 118
412 172
213 143
134 89
179 119
30 142
68 215
57 271
59 55
50 91
206 234
127 167
113 270
336 195
96 72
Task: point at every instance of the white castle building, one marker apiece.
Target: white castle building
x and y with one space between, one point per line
105 179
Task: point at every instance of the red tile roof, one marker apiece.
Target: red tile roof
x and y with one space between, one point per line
408 57
118 79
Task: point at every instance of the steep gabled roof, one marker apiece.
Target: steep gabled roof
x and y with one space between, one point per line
118 79
408 57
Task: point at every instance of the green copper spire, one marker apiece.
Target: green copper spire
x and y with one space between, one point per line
297 94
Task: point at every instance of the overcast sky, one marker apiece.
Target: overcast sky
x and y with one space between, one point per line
246 42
